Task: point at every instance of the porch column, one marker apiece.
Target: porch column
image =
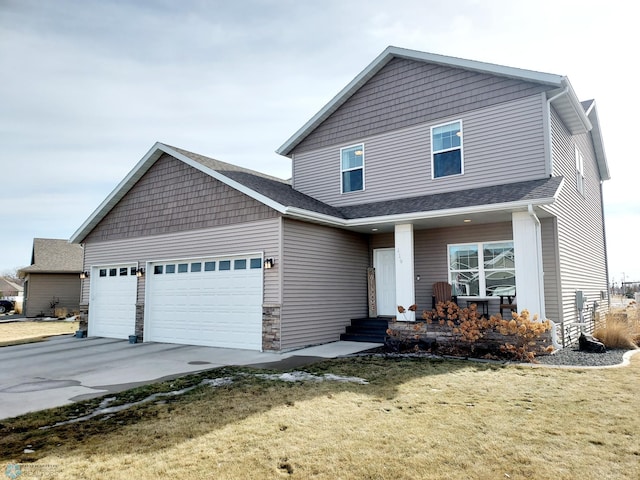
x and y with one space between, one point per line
527 243
405 287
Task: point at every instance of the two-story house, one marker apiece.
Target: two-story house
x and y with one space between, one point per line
423 169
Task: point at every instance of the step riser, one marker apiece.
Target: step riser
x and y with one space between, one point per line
372 330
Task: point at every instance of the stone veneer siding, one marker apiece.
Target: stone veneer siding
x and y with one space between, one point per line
139 328
84 317
271 327
405 330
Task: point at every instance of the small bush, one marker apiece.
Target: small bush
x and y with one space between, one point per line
616 335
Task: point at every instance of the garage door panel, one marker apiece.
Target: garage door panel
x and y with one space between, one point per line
112 306
215 307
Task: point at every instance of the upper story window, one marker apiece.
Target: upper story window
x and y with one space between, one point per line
579 171
352 168
446 150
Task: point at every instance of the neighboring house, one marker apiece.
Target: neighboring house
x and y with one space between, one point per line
9 289
52 281
425 167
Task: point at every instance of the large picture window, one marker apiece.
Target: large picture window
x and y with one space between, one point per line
352 168
482 269
446 150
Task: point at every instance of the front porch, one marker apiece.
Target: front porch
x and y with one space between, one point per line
485 264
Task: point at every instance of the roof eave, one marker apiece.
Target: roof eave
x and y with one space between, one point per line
598 143
315 217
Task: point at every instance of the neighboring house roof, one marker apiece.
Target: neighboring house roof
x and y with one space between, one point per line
54 256
7 287
563 97
280 195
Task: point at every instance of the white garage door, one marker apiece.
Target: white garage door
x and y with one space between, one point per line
208 301
112 305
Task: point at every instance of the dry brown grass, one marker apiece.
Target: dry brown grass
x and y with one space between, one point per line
621 329
27 332
417 418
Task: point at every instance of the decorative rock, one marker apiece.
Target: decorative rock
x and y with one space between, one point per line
591 344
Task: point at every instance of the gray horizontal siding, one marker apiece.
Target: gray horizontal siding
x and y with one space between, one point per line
43 288
580 222
173 196
325 282
257 236
430 260
502 144
405 93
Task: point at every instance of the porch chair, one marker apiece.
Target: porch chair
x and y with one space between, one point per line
508 302
442 293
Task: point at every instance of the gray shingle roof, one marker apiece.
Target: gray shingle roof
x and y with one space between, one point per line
506 193
55 256
283 193
9 288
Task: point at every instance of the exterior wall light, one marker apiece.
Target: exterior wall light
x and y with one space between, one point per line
269 263
84 275
139 272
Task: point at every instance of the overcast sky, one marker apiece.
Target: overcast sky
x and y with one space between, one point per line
88 86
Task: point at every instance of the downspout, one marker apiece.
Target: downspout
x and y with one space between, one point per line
532 214
565 91
558 95
604 239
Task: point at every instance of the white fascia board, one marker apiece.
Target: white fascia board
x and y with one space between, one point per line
416 216
226 180
116 195
577 106
598 143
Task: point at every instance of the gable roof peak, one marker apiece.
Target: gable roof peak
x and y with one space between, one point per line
391 52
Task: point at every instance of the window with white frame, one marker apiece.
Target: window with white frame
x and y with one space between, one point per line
482 269
446 150
579 171
352 168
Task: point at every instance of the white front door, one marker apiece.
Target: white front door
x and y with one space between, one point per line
384 262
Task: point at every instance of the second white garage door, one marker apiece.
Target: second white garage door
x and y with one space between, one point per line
208 301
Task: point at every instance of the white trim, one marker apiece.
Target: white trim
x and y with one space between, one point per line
342 170
434 152
404 263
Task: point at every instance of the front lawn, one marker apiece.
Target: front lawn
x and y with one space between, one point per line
415 419
14 333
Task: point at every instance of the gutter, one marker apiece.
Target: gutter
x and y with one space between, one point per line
409 217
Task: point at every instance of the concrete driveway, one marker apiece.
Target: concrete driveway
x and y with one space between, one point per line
65 369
